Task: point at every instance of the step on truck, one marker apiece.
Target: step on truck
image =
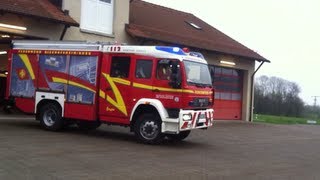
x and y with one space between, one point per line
157 91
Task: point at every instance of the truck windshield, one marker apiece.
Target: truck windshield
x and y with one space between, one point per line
197 74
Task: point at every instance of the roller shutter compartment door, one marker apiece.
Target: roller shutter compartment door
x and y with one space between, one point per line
228 92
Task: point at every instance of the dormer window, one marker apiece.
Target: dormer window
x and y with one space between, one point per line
194 25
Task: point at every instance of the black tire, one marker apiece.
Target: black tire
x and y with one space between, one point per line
7 110
87 125
147 129
179 137
51 117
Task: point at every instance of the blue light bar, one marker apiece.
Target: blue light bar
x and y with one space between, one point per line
172 50
196 54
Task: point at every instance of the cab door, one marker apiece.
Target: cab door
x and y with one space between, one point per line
142 78
162 90
115 88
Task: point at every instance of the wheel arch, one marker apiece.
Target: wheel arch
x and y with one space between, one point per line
46 97
147 106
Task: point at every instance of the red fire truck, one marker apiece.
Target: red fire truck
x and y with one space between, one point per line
157 91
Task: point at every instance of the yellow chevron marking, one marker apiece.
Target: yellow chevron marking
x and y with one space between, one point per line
64 81
121 81
144 86
102 94
27 63
118 103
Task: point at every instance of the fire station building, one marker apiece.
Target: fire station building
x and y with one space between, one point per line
232 65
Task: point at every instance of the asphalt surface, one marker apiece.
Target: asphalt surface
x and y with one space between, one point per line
230 150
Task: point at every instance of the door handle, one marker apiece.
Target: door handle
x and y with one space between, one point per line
108 89
155 90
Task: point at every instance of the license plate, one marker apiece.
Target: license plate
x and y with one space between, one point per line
202 118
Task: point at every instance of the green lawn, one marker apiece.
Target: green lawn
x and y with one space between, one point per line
281 119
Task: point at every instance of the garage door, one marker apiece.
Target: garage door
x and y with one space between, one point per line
228 92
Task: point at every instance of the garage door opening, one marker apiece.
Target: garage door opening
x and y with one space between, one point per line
228 85
5 44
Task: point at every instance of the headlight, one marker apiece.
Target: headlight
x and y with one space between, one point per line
187 117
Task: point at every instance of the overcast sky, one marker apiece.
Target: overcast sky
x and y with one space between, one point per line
287 32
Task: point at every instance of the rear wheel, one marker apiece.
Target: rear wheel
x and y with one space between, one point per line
179 137
148 129
50 117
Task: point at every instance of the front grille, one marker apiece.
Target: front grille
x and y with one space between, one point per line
199 102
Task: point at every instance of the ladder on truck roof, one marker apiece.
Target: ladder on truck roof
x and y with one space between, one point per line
58 45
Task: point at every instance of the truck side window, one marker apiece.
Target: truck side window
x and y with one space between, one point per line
120 66
143 69
163 71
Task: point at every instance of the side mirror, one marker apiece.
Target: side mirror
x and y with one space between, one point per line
175 81
175 78
174 66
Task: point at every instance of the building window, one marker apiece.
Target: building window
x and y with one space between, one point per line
97 16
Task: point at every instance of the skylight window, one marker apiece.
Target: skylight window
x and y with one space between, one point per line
194 25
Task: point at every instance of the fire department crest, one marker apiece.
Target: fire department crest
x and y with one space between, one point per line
22 74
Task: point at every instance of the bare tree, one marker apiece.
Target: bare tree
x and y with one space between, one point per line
277 96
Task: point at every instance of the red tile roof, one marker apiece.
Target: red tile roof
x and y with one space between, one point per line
159 23
42 9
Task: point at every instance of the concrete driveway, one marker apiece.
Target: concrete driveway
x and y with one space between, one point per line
230 150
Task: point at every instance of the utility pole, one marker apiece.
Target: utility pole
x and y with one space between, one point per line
315 105
315 100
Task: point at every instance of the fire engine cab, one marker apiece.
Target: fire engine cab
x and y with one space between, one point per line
157 91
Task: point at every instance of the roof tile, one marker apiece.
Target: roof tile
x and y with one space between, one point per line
168 25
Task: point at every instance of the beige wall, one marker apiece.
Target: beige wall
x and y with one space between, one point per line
121 17
248 67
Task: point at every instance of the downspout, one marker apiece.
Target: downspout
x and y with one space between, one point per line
251 91
64 31
65 12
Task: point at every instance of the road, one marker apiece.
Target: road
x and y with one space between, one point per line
230 150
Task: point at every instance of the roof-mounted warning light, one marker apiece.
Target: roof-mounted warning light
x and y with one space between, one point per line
196 54
186 50
192 53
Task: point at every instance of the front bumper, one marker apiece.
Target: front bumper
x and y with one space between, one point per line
200 119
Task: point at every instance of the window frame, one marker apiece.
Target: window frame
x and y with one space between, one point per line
97 29
112 68
151 66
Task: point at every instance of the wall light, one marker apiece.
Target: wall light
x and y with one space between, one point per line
5 36
6 73
3 52
228 63
13 26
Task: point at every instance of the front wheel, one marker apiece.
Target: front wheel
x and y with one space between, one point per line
51 117
148 129
179 137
